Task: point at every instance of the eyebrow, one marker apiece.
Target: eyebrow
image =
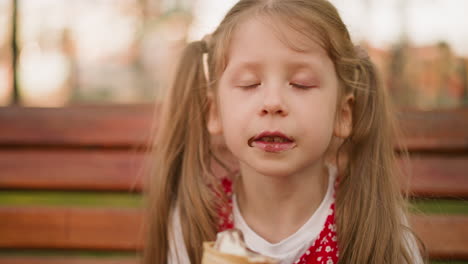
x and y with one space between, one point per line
295 65
247 65
299 64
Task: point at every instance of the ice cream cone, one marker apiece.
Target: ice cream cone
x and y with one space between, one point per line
213 256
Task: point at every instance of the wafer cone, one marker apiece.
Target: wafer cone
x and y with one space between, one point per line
213 256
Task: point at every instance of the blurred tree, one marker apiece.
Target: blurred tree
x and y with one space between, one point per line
15 52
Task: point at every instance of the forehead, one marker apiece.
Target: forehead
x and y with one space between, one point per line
258 41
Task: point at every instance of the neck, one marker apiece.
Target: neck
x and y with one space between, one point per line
276 207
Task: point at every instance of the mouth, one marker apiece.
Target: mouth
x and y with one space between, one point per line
272 142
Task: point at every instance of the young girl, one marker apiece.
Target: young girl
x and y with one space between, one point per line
301 110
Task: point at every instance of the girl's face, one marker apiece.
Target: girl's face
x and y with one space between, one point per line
276 106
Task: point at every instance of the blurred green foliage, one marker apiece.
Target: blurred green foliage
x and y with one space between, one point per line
62 198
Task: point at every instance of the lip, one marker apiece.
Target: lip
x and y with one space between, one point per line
272 134
275 147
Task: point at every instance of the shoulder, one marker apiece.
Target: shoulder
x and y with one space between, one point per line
411 242
177 250
413 249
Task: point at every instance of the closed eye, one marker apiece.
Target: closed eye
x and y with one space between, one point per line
250 86
304 87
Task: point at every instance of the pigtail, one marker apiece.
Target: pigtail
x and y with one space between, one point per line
369 192
182 151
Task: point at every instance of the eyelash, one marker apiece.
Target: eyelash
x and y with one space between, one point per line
250 86
302 87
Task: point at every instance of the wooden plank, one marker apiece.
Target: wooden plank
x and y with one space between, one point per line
437 176
68 260
111 229
71 228
91 125
121 170
117 170
446 237
437 130
129 125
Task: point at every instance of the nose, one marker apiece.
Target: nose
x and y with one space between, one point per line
273 103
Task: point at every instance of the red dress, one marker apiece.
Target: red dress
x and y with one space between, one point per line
323 251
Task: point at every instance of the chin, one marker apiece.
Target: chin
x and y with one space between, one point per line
272 168
275 173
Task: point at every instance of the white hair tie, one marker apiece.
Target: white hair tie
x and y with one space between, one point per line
206 70
206 40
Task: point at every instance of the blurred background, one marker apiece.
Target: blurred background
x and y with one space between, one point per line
125 51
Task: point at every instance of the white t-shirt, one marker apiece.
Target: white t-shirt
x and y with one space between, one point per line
293 247
288 250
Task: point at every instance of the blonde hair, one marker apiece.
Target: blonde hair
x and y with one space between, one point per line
370 209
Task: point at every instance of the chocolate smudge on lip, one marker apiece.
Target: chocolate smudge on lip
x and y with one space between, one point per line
251 140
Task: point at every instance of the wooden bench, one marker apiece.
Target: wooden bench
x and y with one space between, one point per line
101 149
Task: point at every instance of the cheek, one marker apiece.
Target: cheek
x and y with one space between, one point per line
318 117
232 115
319 124
235 108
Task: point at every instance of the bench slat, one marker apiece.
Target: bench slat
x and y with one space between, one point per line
128 125
70 228
104 126
67 260
96 170
445 237
118 229
431 229
437 130
439 176
119 170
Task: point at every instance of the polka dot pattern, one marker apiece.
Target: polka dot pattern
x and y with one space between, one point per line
226 220
325 248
